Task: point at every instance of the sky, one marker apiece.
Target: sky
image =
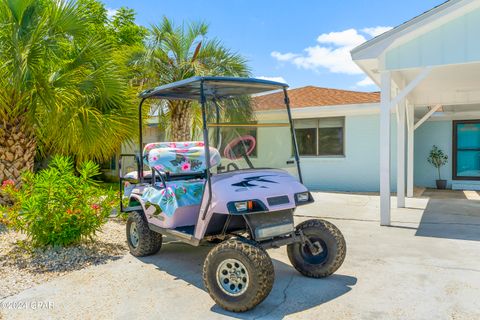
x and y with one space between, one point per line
302 42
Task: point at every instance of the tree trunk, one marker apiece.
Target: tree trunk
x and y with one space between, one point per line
17 151
181 119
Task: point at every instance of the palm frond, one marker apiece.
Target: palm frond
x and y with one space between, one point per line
179 52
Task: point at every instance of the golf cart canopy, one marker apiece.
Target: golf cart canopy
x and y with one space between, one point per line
213 87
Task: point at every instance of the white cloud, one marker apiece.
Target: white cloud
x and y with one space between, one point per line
283 56
346 38
335 60
332 51
277 79
375 31
365 82
111 12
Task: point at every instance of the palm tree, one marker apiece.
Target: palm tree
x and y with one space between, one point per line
179 52
60 91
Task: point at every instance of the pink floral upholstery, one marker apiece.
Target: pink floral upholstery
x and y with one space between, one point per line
179 157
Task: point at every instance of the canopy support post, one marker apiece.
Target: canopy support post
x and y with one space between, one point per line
140 141
410 152
385 120
401 155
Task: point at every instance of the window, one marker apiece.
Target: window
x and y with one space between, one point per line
320 137
466 150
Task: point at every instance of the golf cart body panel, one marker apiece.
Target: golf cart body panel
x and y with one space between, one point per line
270 190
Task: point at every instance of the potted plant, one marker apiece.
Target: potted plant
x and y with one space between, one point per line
438 159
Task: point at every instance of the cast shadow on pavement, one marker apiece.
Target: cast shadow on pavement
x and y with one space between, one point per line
291 292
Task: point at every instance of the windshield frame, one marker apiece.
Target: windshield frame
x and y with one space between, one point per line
206 126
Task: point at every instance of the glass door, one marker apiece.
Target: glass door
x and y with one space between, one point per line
466 150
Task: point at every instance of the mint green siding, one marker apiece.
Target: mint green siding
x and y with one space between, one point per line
359 169
431 133
454 42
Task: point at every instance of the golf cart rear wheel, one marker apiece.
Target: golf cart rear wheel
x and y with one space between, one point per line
329 249
141 240
238 274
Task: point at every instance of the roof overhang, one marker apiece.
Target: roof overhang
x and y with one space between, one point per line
370 55
448 81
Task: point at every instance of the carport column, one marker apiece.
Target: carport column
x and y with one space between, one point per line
401 155
410 152
385 119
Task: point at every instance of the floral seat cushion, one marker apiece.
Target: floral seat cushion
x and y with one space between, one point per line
179 157
176 194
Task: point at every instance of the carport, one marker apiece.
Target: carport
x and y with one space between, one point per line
431 62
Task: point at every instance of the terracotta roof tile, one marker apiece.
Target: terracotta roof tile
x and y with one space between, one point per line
311 96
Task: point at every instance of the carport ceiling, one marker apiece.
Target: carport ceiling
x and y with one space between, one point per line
445 85
460 111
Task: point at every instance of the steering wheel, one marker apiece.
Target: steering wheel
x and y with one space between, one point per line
239 147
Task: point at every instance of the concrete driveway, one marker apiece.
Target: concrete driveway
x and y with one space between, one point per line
427 266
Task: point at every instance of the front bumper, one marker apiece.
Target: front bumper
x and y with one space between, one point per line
270 224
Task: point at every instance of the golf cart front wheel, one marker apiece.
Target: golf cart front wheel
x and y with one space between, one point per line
238 274
141 240
323 251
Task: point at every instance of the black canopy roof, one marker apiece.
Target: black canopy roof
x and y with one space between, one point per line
214 87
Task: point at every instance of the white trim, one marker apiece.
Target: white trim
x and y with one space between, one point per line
368 56
412 28
409 110
401 155
449 116
385 119
415 82
411 148
426 116
326 111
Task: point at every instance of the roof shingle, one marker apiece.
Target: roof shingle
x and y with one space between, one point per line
311 96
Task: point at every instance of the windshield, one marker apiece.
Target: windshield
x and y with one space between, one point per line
249 135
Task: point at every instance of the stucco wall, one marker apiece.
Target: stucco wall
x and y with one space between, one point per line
359 169
431 133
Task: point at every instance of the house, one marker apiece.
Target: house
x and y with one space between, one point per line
428 70
337 135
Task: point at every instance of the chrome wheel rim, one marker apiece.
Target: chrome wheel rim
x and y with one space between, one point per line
133 235
232 277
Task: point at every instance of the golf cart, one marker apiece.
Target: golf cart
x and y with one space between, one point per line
238 187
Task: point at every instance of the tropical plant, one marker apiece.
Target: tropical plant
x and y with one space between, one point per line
178 52
60 90
437 158
125 31
57 207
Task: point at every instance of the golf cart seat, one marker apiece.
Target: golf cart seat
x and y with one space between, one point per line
179 202
179 157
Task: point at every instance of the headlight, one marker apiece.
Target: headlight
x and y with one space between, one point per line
246 206
241 206
303 198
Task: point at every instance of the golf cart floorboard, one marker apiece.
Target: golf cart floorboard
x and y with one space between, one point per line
184 234
186 229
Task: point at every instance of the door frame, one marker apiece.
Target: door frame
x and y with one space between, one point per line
454 150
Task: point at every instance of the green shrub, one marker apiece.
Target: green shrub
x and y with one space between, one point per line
57 207
437 159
